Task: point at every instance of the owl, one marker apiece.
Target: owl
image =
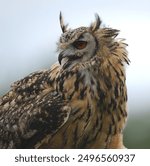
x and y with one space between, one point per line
79 102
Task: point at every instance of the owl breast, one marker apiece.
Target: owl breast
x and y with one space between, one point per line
80 89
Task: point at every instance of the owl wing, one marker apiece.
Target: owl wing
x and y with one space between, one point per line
31 110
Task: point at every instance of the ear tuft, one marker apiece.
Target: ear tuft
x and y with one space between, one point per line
62 25
95 25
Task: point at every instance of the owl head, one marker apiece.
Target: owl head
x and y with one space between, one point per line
81 44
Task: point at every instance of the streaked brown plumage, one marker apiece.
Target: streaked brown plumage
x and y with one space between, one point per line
79 102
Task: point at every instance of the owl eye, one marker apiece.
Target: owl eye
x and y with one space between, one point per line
80 44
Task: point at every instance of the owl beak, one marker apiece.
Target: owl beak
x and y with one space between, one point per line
70 57
60 57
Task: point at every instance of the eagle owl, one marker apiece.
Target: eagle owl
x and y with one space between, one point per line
80 102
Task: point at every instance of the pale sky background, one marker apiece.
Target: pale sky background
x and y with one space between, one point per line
29 30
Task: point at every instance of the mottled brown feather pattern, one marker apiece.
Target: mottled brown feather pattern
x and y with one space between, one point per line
80 103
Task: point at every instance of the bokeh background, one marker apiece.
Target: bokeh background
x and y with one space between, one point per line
29 30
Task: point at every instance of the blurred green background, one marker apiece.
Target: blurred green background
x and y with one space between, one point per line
137 132
29 30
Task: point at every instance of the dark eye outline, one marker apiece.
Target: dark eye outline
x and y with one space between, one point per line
80 44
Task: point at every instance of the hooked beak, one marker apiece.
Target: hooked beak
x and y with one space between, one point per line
60 57
71 57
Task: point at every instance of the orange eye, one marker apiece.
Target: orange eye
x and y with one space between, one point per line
80 44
